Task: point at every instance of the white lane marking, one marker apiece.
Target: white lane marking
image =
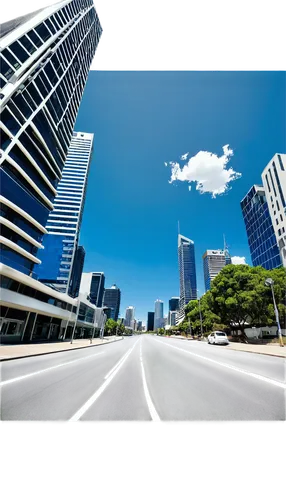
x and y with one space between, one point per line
230 350
102 388
120 361
151 407
231 367
22 377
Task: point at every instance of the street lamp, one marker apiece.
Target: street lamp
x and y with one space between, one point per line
270 282
201 321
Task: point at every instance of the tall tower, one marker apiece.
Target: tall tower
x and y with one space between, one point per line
213 262
111 299
187 272
64 222
159 314
129 317
92 285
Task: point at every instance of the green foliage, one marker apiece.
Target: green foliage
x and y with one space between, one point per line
112 327
238 295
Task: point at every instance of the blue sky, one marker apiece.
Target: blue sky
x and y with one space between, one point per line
143 119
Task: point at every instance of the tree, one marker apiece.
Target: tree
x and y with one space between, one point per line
110 327
238 296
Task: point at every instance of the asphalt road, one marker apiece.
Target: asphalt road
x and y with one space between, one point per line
144 378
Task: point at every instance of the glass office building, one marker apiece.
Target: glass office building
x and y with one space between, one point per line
76 272
150 321
159 314
92 285
64 222
187 272
260 233
111 300
44 63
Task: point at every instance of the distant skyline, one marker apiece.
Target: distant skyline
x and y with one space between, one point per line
142 120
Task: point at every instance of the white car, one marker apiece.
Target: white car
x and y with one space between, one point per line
218 338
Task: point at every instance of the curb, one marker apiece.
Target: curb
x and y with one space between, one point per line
54 352
243 350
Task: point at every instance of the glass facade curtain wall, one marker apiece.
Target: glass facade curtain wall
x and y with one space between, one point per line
260 233
44 64
111 300
187 272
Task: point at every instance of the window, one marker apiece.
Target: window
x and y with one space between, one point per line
11 59
35 39
280 162
6 70
278 208
9 121
19 52
27 44
5 139
50 26
43 32
281 218
276 221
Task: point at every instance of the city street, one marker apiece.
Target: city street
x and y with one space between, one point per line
144 377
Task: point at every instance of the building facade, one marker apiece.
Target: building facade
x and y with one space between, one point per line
111 299
150 321
129 317
139 326
77 268
159 314
172 319
45 59
64 222
259 228
274 183
174 304
213 262
92 285
187 273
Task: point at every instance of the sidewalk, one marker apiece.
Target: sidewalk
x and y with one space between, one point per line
15 351
271 350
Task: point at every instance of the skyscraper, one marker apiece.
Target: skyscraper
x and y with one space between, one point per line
274 183
174 304
213 262
64 222
92 285
111 299
78 263
129 317
260 232
45 59
150 321
159 314
187 272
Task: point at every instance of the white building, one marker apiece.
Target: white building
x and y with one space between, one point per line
129 317
159 314
213 262
274 183
64 221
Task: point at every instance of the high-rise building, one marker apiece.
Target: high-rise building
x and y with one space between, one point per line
259 228
150 321
76 273
172 319
213 262
159 314
274 183
92 285
45 59
139 326
187 272
129 317
174 304
111 299
64 222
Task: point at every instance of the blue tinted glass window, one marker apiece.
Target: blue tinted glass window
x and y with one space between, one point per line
19 52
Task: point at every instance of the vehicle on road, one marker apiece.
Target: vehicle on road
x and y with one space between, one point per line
218 337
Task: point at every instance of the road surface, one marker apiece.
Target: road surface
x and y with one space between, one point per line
144 378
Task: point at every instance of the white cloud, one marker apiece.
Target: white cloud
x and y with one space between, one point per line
238 260
208 171
184 157
165 163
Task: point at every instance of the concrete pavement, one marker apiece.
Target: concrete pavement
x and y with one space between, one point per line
144 378
14 351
